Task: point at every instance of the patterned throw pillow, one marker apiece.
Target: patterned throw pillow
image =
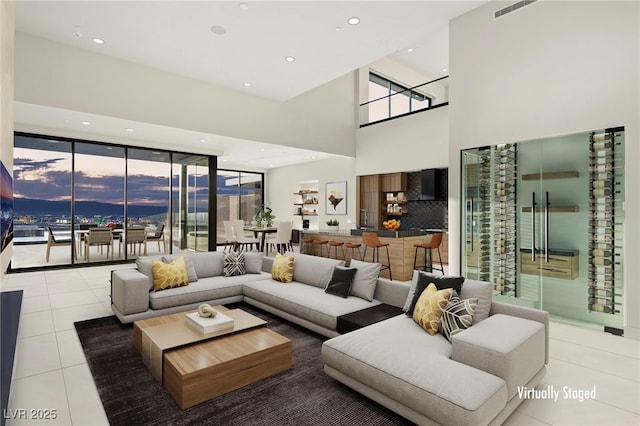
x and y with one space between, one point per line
169 275
282 269
233 264
429 307
457 316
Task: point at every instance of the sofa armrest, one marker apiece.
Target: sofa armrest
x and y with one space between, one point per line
129 291
527 313
508 347
392 293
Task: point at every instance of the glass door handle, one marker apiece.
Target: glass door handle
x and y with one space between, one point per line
546 228
472 224
533 226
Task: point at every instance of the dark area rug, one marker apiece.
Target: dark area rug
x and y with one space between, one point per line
303 395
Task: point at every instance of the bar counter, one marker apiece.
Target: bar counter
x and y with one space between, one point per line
401 247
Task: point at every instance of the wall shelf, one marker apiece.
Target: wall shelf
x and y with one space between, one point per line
570 174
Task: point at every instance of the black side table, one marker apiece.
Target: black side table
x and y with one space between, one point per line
365 317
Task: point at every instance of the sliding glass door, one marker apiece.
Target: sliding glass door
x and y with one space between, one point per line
238 195
190 202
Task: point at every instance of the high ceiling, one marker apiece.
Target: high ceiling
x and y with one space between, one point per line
231 43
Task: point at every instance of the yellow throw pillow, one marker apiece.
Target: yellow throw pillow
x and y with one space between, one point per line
430 306
282 269
169 275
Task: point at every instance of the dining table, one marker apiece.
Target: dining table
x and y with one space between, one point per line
260 232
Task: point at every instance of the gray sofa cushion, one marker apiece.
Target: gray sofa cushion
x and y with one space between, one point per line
426 380
305 301
313 270
145 266
208 264
205 289
364 283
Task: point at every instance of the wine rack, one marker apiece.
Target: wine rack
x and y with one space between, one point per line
605 221
484 215
504 213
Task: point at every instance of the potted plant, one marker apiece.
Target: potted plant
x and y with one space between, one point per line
333 224
264 216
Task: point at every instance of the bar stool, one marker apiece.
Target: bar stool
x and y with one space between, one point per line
370 239
320 244
433 243
336 244
354 246
305 245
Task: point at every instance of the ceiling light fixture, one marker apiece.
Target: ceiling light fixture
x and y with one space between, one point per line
290 59
77 34
246 84
203 140
338 28
244 6
354 20
409 50
86 123
444 70
218 30
97 40
129 129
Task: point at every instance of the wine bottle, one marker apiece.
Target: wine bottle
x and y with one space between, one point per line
600 137
601 308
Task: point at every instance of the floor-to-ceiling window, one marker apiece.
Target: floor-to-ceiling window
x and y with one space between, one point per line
238 194
67 191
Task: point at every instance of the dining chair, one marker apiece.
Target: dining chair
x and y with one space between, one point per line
229 235
53 241
135 235
243 240
282 239
158 236
101 237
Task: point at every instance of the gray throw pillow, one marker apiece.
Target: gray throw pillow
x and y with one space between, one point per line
483 290
412 289
191 270
253 262
365 280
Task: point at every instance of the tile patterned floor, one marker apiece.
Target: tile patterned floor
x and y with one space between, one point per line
51 371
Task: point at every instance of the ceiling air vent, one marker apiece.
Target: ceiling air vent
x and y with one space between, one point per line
511 8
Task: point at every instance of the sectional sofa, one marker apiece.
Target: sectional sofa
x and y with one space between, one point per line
471 380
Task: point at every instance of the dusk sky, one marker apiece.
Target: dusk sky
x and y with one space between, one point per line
102 181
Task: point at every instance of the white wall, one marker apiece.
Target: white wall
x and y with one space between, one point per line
283 182
7 10
60 76
551 68
414 142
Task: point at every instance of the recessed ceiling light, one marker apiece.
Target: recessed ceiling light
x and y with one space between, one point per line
97 40
270 165
77 34
244 6
129 129
86 123
338 29
218 30
354 20
289 59
203 140
246 84
409 50
261 149
444 70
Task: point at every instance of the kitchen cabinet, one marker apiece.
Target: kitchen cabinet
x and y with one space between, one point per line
393 182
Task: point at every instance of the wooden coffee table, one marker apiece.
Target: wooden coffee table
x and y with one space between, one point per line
196 367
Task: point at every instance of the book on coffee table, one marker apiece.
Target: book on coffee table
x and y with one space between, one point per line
209 324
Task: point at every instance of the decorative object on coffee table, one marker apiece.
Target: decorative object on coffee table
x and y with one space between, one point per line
205 310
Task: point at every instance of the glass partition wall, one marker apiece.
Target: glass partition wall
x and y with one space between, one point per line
67 191
542 220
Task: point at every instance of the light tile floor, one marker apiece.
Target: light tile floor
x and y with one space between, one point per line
51 372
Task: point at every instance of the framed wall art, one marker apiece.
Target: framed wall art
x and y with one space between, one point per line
336 198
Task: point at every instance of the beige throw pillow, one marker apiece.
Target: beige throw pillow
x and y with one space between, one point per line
429 307
282 268
169 275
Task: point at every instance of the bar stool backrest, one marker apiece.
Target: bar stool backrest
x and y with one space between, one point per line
435 241
371 239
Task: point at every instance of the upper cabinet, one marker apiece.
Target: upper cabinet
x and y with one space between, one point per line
394 182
